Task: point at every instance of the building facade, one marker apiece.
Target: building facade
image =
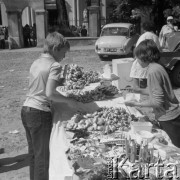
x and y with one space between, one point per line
15 14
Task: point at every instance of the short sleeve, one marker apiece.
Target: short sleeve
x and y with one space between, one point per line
141 38
137 71
155 85
56 72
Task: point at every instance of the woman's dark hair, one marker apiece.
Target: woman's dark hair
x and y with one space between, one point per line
147 51
148 26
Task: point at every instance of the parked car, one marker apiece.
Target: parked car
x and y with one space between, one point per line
116 39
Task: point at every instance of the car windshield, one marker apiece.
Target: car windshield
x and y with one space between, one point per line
115 31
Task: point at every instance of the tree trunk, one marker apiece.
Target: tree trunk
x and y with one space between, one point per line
63 21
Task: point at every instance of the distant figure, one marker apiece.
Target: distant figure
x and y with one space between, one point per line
165 31
148 33
2 39
6 33
10 42
136 20
85 16
34 35
79 30
27 35
84 31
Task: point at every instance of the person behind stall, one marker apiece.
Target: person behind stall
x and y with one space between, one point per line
139 74
10 42
165 31
6 33
46 74
84 31
161 95
34 34
135 19
27 35
2 38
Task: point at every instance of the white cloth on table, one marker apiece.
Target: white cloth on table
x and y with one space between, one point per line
59 166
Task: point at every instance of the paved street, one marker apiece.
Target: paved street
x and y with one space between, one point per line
73 48
14 68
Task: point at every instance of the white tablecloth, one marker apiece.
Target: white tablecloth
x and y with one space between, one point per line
59 166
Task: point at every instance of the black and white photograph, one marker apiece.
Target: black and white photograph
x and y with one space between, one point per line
89 89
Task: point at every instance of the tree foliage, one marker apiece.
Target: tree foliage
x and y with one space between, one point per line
122 8
175 12
158 9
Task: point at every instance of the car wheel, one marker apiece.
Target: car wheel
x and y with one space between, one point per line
175 75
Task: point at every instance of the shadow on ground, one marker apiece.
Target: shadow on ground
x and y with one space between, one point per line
14 163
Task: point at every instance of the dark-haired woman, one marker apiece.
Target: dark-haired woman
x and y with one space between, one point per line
138 73
161 95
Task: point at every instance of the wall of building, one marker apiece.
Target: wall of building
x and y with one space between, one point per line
15 14
4 15
21 4
75 10
14 9
103 12
70 10
28 16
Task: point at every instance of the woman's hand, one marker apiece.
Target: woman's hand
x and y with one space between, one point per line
133 90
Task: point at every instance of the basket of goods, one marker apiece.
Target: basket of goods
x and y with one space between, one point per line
77 78
105 120
85 86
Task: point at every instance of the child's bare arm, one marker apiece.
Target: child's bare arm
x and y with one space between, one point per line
52 94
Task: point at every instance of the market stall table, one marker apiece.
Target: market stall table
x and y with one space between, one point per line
59 165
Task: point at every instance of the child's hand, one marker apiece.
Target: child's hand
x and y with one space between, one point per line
130 103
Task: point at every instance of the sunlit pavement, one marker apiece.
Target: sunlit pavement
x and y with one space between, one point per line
73 48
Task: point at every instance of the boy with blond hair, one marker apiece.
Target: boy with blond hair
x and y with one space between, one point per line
45 75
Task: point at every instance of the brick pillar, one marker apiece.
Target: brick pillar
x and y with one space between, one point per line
40 26
15 28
